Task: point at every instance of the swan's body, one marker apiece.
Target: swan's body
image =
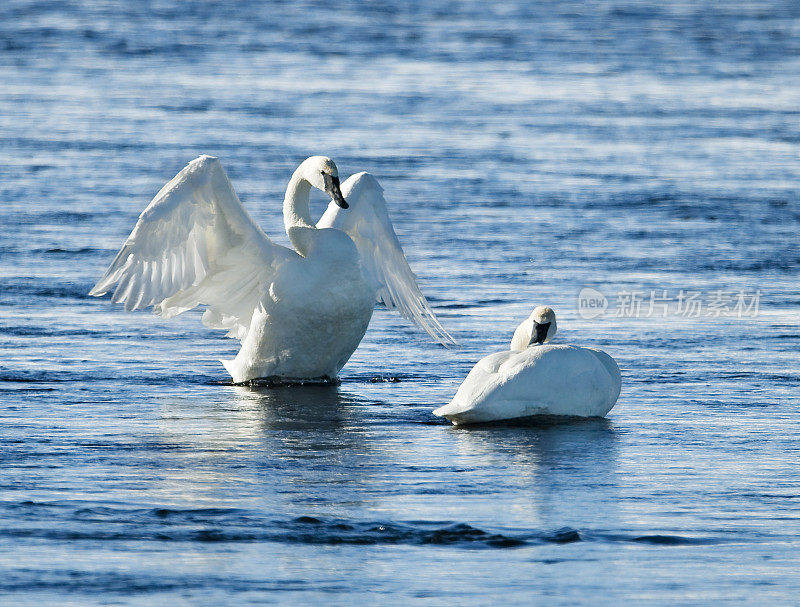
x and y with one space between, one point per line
534 378
300 314
312 317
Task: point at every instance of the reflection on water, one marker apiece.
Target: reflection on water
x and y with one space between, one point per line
283 444
311 408
307 421
559 470
237 413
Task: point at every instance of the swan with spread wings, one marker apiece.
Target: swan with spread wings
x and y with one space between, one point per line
299 313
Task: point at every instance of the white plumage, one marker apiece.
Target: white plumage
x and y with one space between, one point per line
382 260
300 314
534 378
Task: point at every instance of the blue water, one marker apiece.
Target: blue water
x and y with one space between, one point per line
527 150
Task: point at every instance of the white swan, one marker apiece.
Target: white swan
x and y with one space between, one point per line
536 379
299 314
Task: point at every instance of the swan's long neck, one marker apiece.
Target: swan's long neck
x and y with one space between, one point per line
296 213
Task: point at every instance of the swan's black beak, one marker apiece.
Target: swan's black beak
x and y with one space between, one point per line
540 333
333 190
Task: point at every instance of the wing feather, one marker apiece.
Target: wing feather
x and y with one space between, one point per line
195 244
367 222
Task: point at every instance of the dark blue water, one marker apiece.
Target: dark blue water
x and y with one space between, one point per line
527 150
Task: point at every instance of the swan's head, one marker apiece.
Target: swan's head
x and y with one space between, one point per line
543 325
321 172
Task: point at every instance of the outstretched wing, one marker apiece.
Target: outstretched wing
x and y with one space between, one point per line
195 244
367 222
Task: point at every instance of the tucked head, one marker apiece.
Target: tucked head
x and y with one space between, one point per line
543 325
537 329
321 172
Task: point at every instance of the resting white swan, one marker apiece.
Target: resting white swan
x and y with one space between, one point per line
536 379
300 314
